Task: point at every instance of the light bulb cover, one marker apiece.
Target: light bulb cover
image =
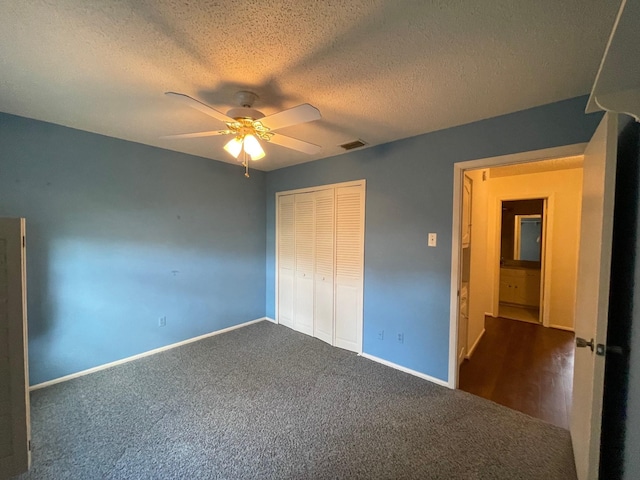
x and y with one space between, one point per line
234 146
253 147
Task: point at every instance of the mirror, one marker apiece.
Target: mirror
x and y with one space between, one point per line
527 237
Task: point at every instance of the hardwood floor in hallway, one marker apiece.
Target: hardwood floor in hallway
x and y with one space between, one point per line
523 366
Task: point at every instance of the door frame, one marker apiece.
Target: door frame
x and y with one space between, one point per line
456 245
548 199
517 234
18 460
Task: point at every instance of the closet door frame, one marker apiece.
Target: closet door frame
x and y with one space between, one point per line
363 184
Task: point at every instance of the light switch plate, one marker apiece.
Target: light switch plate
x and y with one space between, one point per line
432 239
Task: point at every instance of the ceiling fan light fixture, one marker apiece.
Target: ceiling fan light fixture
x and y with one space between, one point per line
253 147
234 146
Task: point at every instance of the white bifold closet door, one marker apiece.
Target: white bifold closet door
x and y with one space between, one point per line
324 265
304 255
349 265
286 260
320 241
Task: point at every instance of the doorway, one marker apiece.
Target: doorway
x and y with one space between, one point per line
522 246
592 286
514 255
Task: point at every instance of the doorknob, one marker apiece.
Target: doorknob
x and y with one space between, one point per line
581 343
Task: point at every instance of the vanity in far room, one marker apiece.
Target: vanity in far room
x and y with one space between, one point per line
520 285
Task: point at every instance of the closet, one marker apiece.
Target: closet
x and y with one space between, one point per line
320 259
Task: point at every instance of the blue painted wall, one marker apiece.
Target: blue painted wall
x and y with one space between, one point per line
120 234
409 194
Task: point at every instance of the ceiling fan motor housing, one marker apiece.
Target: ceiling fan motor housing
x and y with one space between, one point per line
245 112
245 99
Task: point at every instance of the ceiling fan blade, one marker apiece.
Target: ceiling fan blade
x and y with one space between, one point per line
196 134
294 144
292 116
198 105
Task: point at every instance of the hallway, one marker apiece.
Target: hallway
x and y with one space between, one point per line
523 366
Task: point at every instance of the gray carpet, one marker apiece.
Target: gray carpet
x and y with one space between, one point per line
266 402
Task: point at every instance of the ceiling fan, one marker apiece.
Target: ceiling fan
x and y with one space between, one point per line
247 125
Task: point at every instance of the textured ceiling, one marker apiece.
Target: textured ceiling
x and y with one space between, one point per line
377 70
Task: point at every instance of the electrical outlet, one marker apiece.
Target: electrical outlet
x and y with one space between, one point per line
432 240
162 322
401 337
381 335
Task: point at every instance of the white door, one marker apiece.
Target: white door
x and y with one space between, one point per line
286 259
466 211
465 256
324 263
304 255
349 267
463 322
592 297
14 376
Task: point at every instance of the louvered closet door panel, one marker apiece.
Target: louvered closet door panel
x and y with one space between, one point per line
304 255
286 259
349 266
324 265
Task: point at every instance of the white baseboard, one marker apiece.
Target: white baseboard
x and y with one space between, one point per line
71 376
406 370
269 319
475 344
562 327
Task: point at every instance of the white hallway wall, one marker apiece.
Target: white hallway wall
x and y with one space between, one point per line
566 188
